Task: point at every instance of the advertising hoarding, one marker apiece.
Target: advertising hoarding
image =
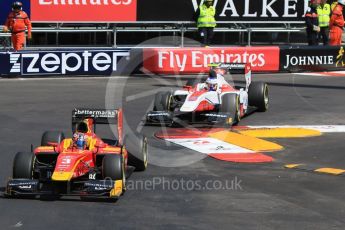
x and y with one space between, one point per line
196 60
63 62
316 58
165 10
226 10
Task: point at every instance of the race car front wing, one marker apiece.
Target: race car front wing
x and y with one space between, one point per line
90 188
171 118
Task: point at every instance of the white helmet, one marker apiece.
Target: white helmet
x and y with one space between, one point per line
212 84
342 2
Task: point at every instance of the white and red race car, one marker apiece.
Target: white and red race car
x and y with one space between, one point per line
214 101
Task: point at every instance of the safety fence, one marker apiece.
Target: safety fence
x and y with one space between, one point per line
168 60
117 35
119 23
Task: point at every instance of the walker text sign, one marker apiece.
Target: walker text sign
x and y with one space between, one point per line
226 10
165 10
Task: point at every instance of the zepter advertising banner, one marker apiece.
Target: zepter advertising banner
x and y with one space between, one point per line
63 62
83 10
196 60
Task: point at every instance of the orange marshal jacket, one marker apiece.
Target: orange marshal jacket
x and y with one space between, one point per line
18 22
337 18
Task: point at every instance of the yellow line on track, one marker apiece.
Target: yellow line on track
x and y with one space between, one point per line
291 166
247 142
280 132
330 171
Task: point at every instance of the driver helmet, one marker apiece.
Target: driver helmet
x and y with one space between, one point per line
79 140
17 6
212 84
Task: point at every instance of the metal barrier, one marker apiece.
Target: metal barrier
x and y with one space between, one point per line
113 30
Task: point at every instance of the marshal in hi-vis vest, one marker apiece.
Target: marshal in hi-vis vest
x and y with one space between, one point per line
324 15
206 17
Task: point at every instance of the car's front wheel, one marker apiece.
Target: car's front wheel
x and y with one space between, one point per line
231 104
258 96
163 101
23 165
113 167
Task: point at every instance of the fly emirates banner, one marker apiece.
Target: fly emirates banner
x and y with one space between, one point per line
196 60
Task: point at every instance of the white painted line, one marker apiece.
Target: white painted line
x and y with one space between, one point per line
62 78
310 74
209 146
321 128
324 74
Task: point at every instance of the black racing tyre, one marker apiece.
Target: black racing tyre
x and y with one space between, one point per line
23 165
162 101
258 96
113 167
231 104
167 101
157 105
137 150
53 137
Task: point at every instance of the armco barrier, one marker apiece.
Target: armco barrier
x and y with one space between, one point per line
315 58
64 62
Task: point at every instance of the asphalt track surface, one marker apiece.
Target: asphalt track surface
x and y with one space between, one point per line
263 196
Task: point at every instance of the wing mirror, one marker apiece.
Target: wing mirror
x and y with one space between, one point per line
54 144
100 144
188 87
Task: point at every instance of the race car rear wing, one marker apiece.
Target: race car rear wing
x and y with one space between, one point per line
99 116
236 68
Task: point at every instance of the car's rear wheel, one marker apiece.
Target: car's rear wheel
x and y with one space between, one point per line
52 137
137 149
258 96
231 104
23 165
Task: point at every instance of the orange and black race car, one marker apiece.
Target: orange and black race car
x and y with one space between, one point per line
84 165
